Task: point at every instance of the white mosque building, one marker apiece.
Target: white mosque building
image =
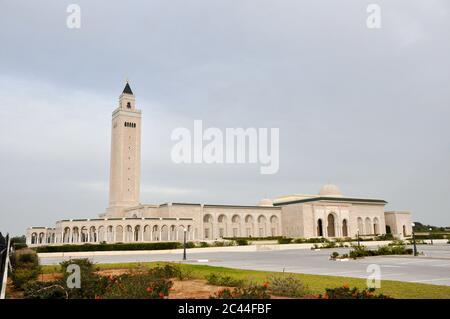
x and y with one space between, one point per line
328 214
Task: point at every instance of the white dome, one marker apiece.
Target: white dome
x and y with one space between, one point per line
266 202
330 190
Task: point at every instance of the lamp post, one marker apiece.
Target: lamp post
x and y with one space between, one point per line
431 235
414 239
184 243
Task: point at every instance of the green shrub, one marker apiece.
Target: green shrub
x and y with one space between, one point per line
334 255
22 276
284 240
25 268
190 244
241 242
346 293
287 286
227 281
142 286
384 237
253 291
204 244
110 247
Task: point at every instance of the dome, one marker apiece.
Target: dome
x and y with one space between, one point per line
330 190
266 202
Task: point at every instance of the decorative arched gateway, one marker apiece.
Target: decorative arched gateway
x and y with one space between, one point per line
147 233
344 228
331 230
208 227
319 228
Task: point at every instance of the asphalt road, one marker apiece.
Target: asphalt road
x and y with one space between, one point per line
432 268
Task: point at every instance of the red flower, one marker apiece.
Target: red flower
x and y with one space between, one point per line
346 286
149 289
161 295
266 284
98 297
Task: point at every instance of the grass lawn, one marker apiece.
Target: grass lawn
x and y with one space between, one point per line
316 283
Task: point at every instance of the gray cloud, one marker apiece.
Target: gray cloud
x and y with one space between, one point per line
365 109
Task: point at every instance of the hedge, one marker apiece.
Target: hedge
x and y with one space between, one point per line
109 247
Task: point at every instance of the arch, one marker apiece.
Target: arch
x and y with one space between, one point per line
75 235
360 224
110 234
208 226
172 232
119 234
189 233
273 225
388 229
101 234
222 223
137 236
344 228
84 234
66 235
404 230
319 227
376 226
34 237
331 227
92 234
147 233
249 225
262 225
164 233
368 226
128 233
41 238
180 233
155 233
236 225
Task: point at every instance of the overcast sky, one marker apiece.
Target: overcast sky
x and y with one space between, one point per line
366 109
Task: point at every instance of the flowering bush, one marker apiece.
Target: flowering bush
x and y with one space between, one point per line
345 292
253 291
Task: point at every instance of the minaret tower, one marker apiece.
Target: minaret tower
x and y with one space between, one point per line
125 170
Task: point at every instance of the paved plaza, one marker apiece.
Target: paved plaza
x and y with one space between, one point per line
432 268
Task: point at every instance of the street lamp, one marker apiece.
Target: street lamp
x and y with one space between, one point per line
431 235
184 243
414 239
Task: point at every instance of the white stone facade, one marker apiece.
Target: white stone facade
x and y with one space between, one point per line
328 214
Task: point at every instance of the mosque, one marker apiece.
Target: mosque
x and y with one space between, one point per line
327 214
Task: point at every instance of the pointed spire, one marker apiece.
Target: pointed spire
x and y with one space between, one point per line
127 89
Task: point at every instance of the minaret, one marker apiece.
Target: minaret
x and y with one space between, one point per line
125 170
